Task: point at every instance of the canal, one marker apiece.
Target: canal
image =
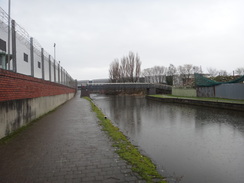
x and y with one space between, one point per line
189 144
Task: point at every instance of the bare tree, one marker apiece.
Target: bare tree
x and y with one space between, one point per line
240 71
155 74
131 66
147 73
212 71
171 71
123 69
138 68
186 74
128 70
182 71
114 71
189 70
197 69
223 73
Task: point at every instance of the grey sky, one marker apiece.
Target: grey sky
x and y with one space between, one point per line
90 34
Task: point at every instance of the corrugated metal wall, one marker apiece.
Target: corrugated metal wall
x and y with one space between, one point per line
230 91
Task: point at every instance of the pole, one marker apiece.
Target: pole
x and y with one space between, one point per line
54 46
9 3
54 51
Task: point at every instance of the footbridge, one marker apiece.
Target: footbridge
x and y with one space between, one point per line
131 88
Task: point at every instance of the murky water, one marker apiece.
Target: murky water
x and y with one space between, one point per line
189 143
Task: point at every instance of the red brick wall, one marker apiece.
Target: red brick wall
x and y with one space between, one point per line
18 86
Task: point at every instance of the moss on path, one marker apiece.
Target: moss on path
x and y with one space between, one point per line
127 151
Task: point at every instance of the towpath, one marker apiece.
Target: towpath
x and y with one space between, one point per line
66 145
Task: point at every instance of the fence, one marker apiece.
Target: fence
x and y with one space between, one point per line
186 92
26 56
229 91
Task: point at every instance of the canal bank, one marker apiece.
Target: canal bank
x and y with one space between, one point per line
187 142
237 105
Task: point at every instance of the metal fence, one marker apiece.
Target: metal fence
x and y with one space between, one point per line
26 55
230 91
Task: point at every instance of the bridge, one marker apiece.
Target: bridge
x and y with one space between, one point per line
131 88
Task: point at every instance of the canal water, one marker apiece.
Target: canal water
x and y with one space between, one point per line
189 144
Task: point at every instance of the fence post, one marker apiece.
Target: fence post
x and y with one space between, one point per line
59 72
65 78
32 56
54 68
50 71
42 57
14 46
61 75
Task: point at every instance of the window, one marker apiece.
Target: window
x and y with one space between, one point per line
2 45
39 64
25 57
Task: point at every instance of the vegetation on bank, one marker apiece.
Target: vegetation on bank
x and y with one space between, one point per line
140 163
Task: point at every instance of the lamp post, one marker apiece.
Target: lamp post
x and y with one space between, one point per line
54 46
9 3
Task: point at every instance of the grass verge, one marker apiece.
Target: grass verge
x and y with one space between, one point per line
127 151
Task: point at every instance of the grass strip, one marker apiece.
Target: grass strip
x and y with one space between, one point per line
127 151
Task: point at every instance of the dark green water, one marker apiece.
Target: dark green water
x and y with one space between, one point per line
191 144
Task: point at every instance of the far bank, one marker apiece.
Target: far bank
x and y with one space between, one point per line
207 102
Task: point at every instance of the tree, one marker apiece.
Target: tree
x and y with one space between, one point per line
114 71
223 73
138 68
212 71
155 74
186 73
240 71
171 71
131 66
197 69
128 70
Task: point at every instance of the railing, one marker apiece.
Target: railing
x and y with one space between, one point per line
27 55
101 86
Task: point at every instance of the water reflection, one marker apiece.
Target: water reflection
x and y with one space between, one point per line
201 144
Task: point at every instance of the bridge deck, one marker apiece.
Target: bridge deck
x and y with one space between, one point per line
101 86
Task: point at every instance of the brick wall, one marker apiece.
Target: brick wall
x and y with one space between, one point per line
15 86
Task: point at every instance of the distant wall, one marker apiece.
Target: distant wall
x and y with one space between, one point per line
206 91
230 91
187 92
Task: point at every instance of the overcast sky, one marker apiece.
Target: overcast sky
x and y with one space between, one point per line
90 34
